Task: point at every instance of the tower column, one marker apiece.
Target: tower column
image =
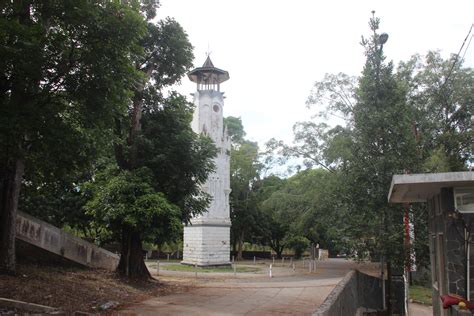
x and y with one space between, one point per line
206 240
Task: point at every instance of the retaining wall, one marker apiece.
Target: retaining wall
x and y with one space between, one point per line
50 238
356 293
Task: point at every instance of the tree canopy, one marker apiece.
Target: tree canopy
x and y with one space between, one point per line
65 74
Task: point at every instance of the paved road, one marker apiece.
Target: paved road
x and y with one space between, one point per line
288 292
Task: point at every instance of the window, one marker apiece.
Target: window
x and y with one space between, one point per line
464 199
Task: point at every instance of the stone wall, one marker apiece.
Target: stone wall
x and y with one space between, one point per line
354 294
50 238
206 245
447 247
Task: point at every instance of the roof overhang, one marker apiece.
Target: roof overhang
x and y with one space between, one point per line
409 188
218 75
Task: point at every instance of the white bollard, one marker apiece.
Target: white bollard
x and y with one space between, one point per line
270 271
310 266
294 267
146 255
254 260
168 257
158 267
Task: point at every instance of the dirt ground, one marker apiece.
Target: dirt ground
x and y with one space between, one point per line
75 289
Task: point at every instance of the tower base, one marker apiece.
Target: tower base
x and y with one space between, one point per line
207 244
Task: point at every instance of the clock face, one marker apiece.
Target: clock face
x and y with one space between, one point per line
215 108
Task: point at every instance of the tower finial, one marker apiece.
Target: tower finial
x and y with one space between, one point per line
208 53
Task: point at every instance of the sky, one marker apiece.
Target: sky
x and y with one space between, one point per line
275 50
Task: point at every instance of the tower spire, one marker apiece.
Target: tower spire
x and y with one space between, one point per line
208 77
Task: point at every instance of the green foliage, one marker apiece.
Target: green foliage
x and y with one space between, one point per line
244 173
299 245
65 74
124 198
421 294
336 93
65 69
383 145
300 209
443 109
179 158
172 163
235 129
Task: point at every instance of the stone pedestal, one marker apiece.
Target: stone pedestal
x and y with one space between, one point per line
206 243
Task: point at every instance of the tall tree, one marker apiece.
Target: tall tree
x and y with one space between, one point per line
441 94
65 72
149 202
166 58
245 170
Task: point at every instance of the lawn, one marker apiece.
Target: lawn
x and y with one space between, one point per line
186 268
420 294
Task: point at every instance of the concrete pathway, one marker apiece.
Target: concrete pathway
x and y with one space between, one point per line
288 292
420 310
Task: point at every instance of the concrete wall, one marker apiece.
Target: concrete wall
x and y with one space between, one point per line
48 237
355 293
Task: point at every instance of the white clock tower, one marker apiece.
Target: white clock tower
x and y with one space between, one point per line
207 238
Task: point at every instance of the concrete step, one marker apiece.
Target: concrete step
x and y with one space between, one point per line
38 233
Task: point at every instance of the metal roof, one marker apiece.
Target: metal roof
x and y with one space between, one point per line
208 72
408 188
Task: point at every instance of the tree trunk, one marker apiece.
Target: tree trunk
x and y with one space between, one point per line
275 245
10 183
279 252
131 257
241 244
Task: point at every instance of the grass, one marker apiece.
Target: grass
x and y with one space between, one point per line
185 268
421 294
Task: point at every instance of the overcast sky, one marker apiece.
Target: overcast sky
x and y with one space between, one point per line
274 50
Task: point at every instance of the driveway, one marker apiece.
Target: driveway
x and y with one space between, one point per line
288 292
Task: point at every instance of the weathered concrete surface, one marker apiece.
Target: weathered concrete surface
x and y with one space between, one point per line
29 307
287 293
420 310
357 290
50 238
410 188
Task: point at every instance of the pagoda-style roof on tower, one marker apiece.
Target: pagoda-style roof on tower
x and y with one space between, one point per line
208 73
